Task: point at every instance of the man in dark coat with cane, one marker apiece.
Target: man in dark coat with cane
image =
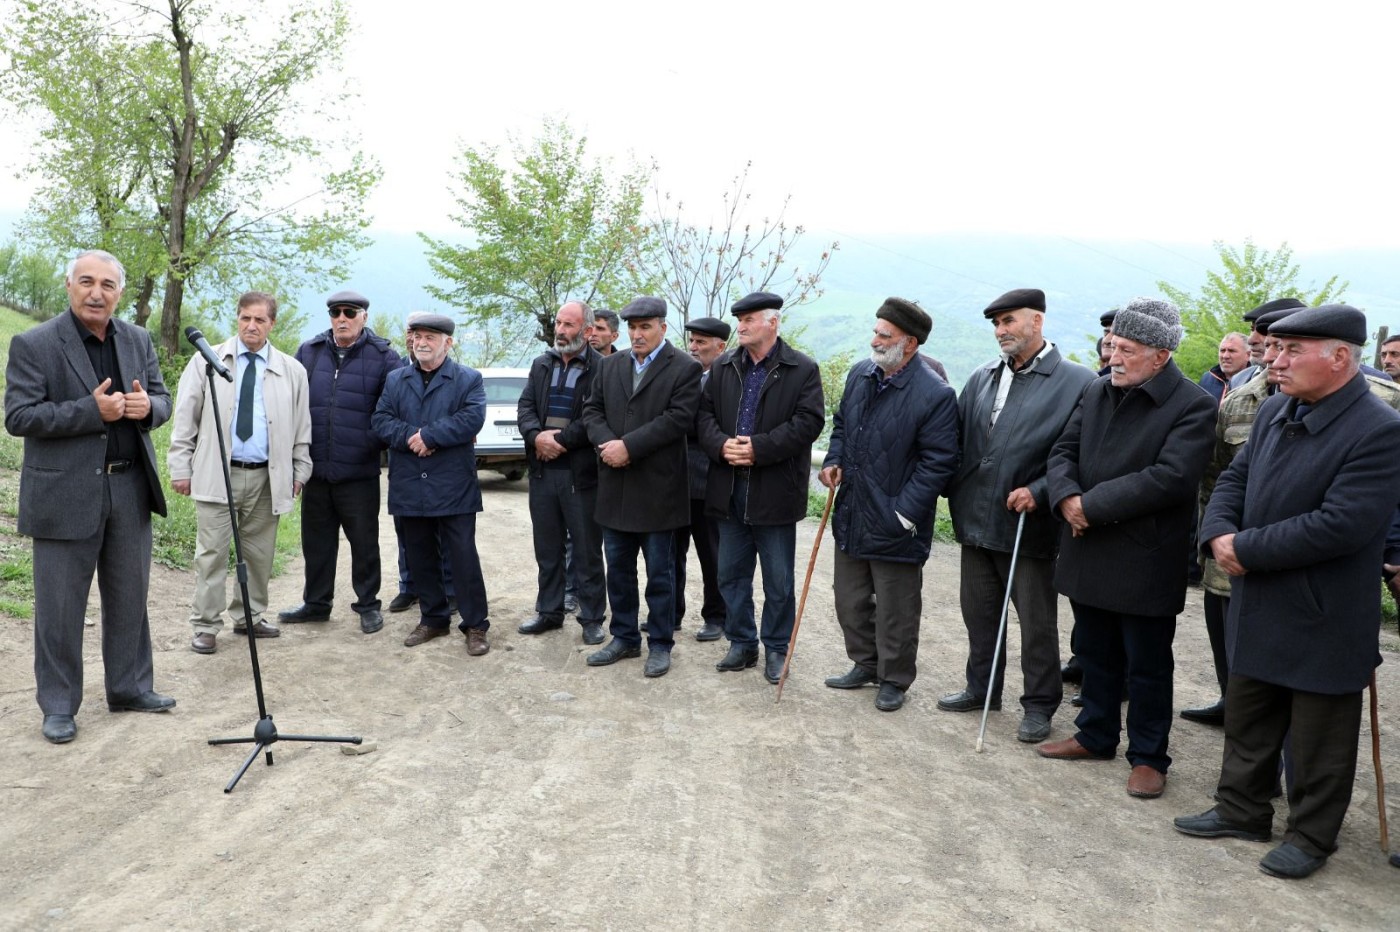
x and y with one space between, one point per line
1299 521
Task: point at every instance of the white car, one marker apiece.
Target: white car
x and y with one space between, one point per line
499 446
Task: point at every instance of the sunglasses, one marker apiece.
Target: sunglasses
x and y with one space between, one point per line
344 312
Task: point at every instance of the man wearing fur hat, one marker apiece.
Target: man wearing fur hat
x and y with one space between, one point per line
1123 478
1012 411
894 446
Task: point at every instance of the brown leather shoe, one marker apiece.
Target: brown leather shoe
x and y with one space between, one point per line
422 633
476 642
261 629
1146 783
203 643
1069 749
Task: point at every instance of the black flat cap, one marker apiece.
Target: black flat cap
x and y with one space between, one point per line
1016 299
641 308
1328 322
1278 304
439 322
348 299
1266 320
907 316
758 301
710 327
1106 318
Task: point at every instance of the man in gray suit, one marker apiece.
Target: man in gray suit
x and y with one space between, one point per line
84 390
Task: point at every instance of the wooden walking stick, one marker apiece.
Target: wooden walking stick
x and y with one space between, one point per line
1376 759
806 584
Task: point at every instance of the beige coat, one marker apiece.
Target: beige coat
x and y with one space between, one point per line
194 449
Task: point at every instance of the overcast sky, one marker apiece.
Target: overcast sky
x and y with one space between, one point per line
1182 122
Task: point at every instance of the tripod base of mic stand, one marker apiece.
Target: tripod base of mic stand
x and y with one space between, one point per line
264 737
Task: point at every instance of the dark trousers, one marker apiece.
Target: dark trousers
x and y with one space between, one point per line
771 547
120 554
878 605
327 508
983 589
406 577
558 512
1323 732
658 549
705 532
1217 608
424 542
1111 643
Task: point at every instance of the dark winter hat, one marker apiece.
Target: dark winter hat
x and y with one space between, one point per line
642 308
438 322
348 299
758 301
1278 304
1328 322
710 327
1151 322
907 316
1014 300
1264 322
1106 318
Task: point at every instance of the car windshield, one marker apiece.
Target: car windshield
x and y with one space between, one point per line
504 390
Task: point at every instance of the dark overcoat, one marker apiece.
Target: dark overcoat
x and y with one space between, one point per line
449 411
651 492
1309 503
532 411
1137 458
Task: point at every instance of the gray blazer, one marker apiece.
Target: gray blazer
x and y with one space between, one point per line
48 401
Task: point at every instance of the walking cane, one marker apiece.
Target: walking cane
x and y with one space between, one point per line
1001 630
806 584
1376 758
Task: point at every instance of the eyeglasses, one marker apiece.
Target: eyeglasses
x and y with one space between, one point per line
344 312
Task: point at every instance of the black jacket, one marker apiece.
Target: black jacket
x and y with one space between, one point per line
1137 458
533 409
790 416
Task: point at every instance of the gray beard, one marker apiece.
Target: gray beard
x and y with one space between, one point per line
889 359
573 347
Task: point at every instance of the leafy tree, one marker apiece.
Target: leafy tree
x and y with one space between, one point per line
547 227
169 133
1249 277
31 282
702 271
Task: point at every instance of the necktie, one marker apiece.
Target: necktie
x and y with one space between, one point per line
244 427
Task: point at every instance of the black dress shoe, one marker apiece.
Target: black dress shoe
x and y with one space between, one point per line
1072 672
965 701
1207 715
854 679
1290 862
889 698
371 620
738 658
1211 825
592 632
709 631
149 701
540 624
60 729
403 602
773 667
304 612
570 604
1077 700
1395 859
612 653
658 663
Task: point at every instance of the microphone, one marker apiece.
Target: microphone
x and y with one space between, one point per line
197 340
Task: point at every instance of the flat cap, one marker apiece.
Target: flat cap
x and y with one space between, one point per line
1278 304
1151 322
1328 322
348 298
710 327
1265 321
420 320
640 308
758 301
907 316
1106 318
1015 299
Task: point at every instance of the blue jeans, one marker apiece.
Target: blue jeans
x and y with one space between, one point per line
658 549
772 546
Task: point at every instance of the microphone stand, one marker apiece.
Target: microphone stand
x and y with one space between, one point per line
264 732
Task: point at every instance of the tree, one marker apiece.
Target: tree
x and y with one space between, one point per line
1250 277
704 270
31 282
552 226
168 135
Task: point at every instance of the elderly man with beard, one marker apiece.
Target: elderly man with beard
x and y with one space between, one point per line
894 446
1123 476
1012 410
563 475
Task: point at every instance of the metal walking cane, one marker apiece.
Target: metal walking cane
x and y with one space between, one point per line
1001 630
1376 759
806 584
